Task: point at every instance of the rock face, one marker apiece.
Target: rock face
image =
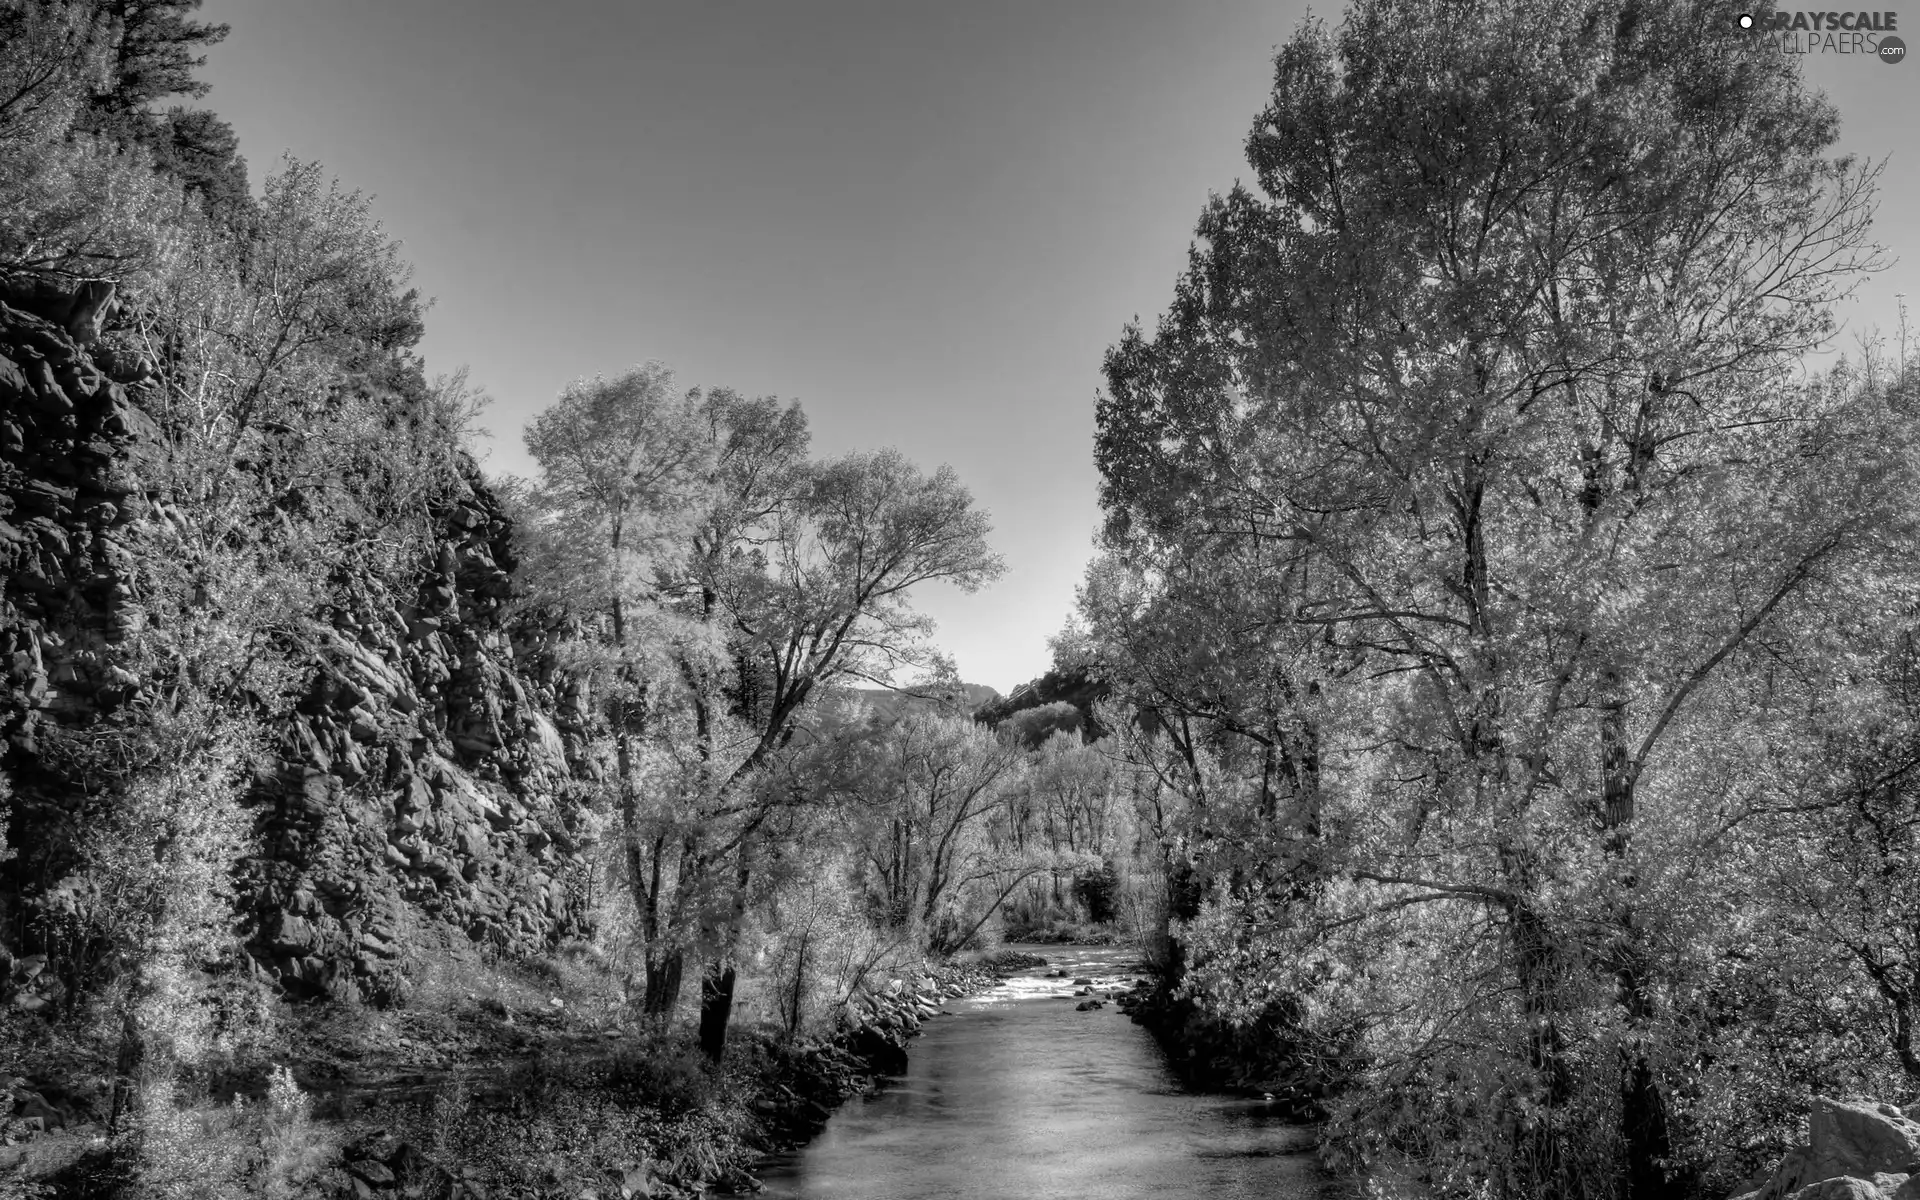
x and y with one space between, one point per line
425 790
1854 1151
1861 1140
425 785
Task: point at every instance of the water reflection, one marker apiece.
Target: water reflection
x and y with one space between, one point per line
1019 1095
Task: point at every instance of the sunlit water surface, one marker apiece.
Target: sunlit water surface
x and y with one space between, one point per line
1019 1097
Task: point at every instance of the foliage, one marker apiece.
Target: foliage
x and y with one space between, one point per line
1471 528
727 582
670 1075
275 1151
74 204
291 457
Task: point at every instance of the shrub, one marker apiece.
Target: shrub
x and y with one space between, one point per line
1099 890
669 1074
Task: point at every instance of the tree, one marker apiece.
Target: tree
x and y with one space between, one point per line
75 205
1844 823
154 52
928 786
624 462
1497 378
153 56
769 577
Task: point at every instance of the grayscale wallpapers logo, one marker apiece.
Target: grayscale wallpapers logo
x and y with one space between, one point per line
1867 33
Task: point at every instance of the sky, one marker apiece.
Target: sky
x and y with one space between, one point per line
924 221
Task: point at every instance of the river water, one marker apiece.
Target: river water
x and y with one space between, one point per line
1017 1096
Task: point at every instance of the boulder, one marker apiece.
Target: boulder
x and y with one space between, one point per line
28 1106
1845 1187
1789 1177
1848 1138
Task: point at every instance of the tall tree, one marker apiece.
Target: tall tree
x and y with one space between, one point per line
624 469
769 577
1502 363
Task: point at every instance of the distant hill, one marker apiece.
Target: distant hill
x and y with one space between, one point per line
1073 687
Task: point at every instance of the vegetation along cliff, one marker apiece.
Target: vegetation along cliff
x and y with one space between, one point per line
327 760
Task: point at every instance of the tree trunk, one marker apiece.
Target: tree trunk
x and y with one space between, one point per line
1645 1136
716 985
1903 1036
1539 1144
125 1070
664 972
716 1009
1643 1125
799 984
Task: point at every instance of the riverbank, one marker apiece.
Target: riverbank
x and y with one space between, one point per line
494 1100
1268 1058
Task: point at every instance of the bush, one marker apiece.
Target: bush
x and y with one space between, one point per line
203 1152
670 1074
1099 890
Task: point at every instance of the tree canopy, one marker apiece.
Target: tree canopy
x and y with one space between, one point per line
1453 510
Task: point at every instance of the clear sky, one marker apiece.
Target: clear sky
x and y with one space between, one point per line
923 220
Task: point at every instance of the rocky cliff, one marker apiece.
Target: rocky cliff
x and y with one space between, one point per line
426 789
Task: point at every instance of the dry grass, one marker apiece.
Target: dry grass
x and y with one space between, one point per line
461 981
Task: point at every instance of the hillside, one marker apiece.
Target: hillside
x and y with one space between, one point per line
885 702
1073 687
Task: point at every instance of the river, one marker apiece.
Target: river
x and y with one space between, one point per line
1018 1096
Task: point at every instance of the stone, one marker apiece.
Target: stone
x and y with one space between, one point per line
28 1106
1855 1139
1791 1175
1844 1187
376 1173
87 308
295 936
44 393
380 1147
13 381
81 378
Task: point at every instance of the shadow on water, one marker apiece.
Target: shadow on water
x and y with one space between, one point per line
1020 1095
